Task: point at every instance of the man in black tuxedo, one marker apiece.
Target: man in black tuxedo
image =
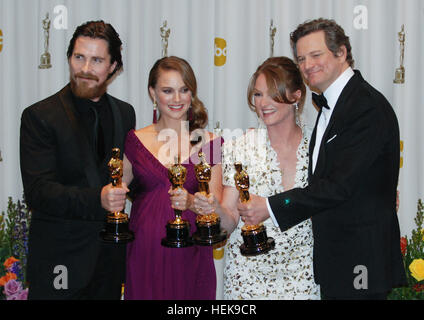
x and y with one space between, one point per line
353 174
65 145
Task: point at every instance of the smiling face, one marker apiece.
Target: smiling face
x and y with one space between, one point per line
319 66
269 110
172 95
90 67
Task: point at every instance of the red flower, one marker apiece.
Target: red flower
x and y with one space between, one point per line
403 245
418 287
9 262
6 278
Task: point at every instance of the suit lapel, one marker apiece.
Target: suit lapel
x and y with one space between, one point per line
88 161
340 107
312 145
338 112
118 129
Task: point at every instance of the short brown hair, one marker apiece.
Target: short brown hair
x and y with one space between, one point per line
100 30
282 75
200 115
335 36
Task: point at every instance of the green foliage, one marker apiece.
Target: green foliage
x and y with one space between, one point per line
414 250
14 226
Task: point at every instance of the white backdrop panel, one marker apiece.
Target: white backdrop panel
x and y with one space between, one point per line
194 24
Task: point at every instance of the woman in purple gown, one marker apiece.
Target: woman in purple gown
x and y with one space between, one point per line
155 271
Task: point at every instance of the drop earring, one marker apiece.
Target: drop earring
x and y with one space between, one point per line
296 113
155 111
190 113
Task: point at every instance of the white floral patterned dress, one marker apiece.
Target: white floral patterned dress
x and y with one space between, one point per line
285 272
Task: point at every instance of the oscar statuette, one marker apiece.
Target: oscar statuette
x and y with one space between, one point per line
116 228
254 236
272 31
208 226
164 34
178 230
400 72
45 62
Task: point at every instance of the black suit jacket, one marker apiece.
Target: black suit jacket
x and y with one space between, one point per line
351 196
62 186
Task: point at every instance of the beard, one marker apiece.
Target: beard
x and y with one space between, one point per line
82 89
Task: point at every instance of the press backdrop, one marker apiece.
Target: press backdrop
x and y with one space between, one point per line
224 41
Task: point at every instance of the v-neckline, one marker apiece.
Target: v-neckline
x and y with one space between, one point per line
298 152
151 155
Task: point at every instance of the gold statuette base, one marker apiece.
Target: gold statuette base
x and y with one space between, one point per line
45 61
209 232
177 234
255 241
116 229
399 75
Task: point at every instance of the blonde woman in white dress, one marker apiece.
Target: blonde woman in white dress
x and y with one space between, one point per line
275 155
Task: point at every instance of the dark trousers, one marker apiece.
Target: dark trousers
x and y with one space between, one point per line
105 284
361 296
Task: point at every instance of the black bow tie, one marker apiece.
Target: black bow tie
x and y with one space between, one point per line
320 101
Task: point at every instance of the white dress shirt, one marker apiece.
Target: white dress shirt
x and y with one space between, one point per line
332 95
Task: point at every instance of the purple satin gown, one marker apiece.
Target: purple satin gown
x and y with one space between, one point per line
153 271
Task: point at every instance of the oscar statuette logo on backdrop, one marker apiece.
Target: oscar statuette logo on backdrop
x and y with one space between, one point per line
400 72
164 34
272 32
45 59
220 52
1 40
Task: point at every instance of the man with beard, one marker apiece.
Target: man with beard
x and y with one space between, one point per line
65 145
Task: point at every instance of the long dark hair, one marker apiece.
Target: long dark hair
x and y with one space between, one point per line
100 30
200 115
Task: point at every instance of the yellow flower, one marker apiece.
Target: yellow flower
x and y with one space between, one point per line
417 269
